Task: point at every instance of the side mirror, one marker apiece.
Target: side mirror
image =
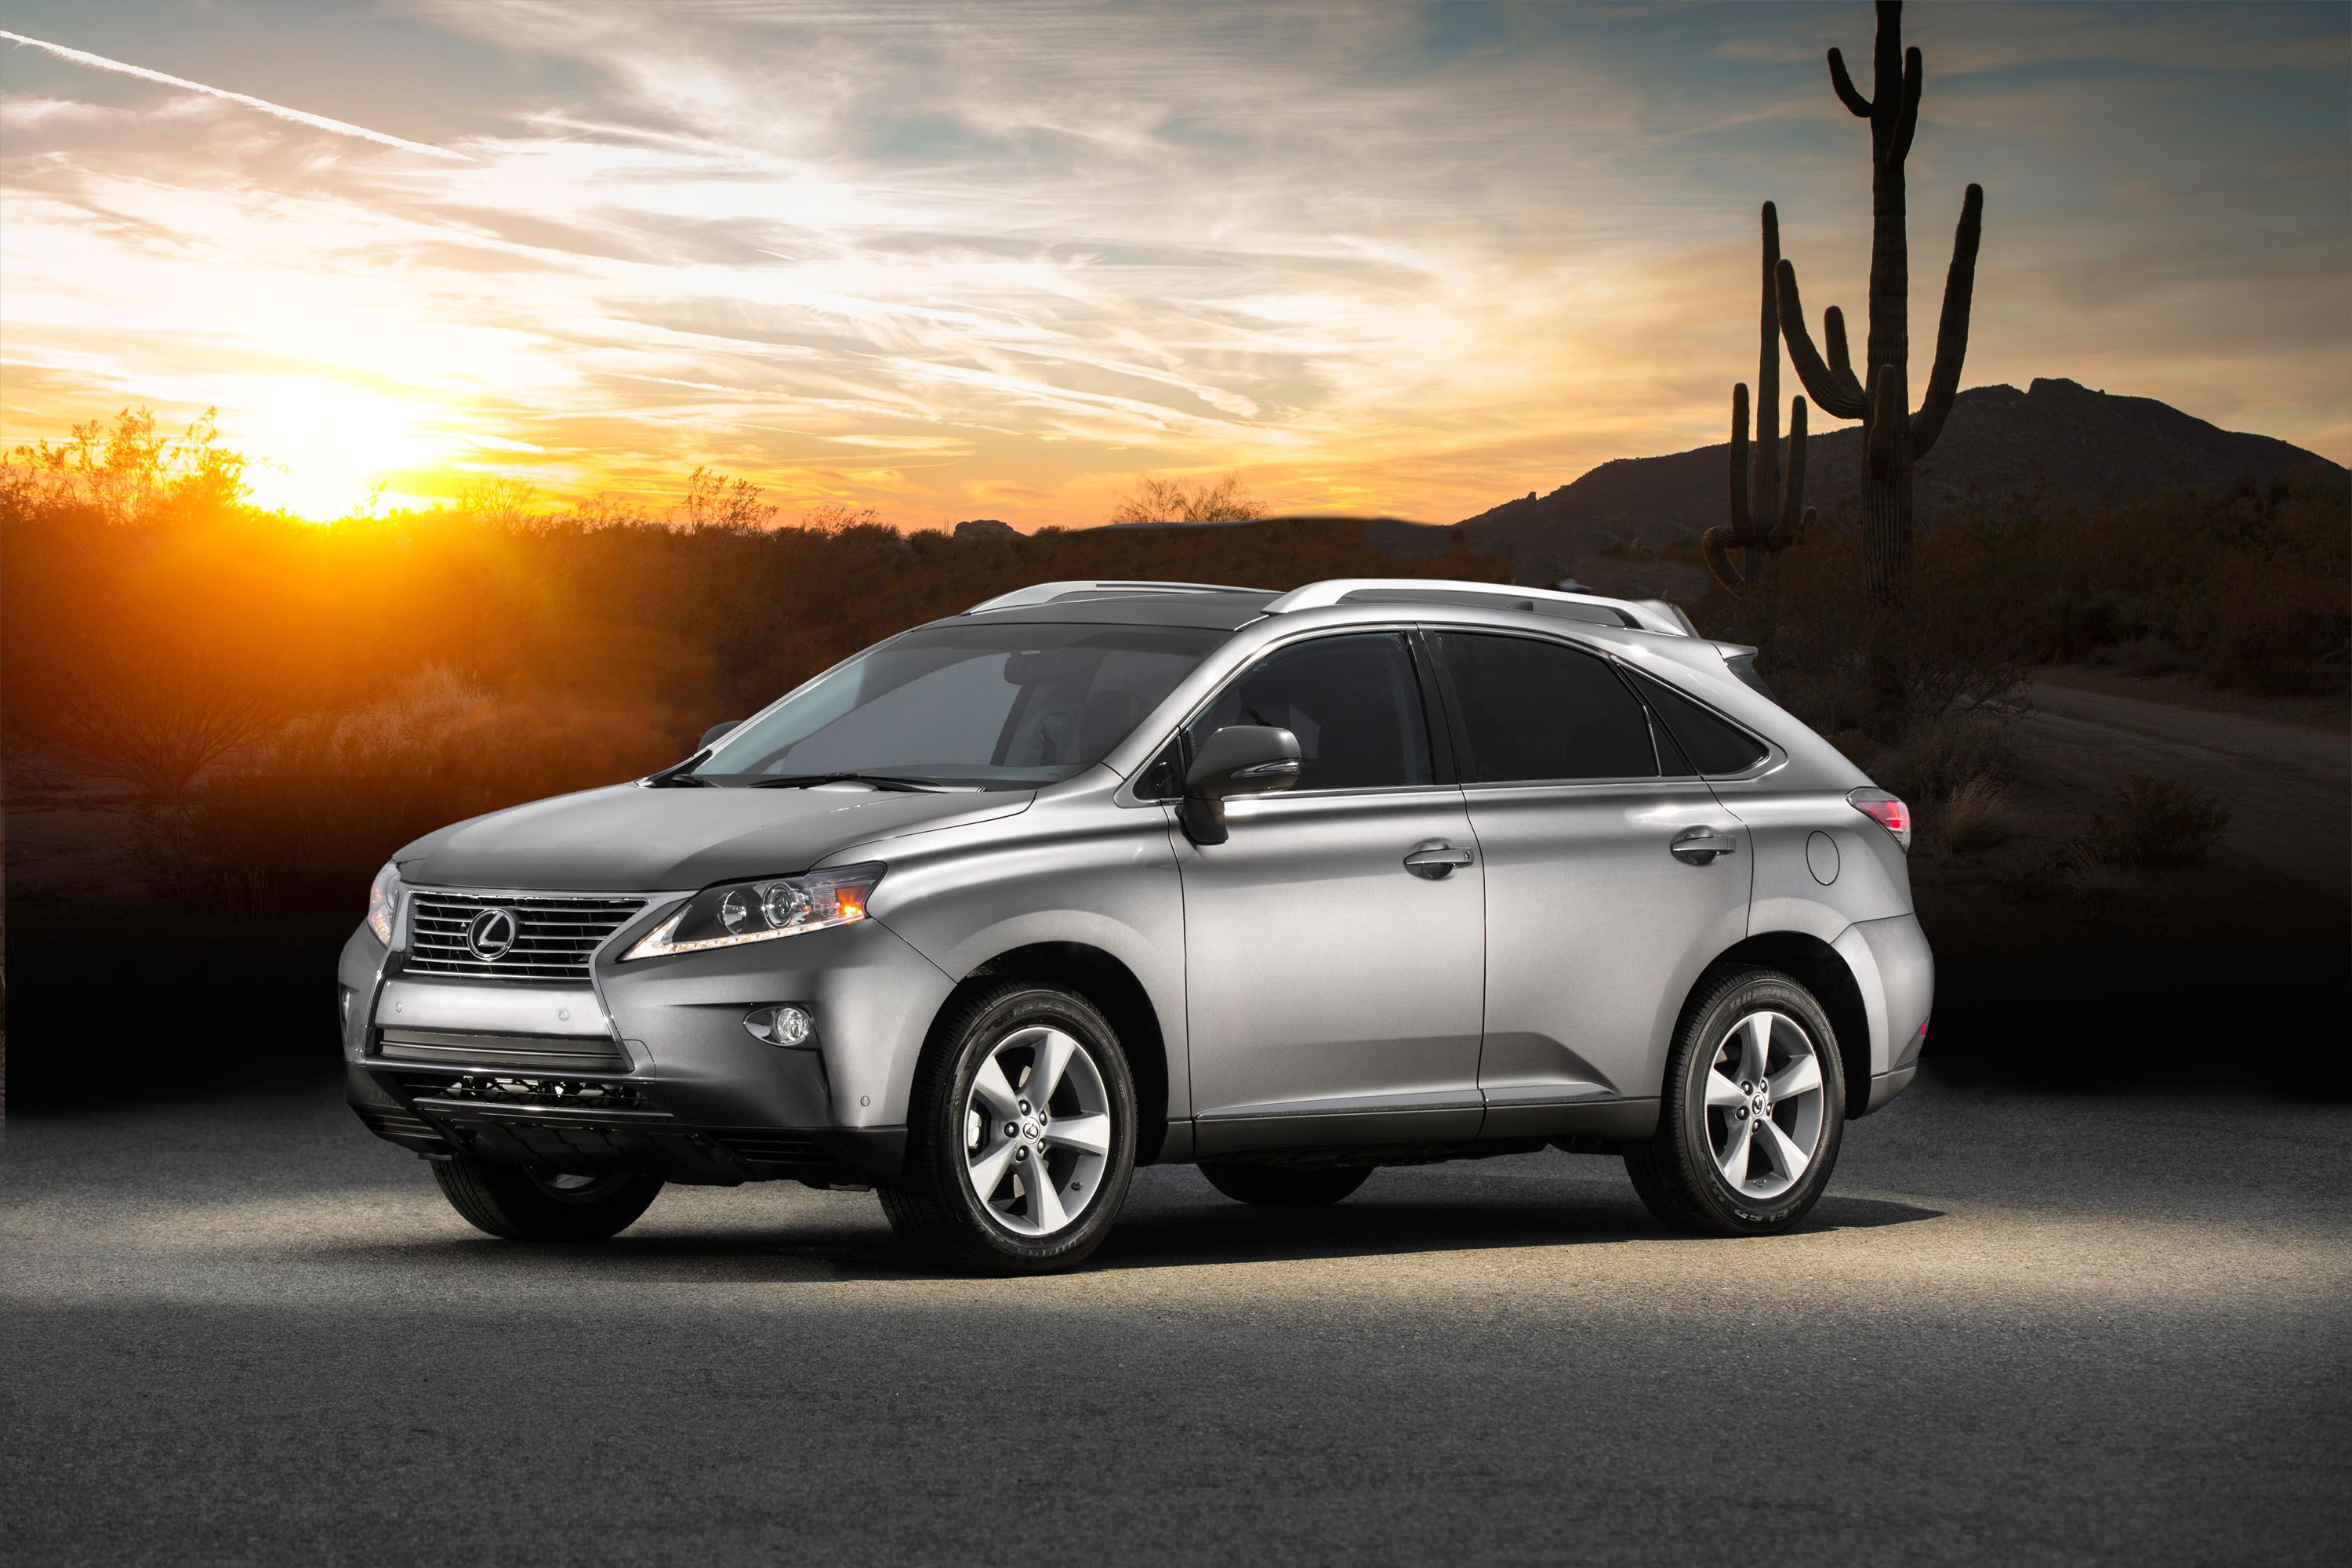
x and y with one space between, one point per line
1240 758
717 733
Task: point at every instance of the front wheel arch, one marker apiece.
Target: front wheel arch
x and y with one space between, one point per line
1103 980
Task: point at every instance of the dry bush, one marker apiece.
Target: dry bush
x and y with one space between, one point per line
1940 754
2158 821
301 821
1977 815
1154 499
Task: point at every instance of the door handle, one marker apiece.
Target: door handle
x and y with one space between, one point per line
1436 860
1700 846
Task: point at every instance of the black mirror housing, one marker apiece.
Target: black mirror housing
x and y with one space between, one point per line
717 733
1240 758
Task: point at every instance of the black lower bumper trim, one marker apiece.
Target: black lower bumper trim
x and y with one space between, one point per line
607 1125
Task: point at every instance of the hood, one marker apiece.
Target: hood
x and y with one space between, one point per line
627 839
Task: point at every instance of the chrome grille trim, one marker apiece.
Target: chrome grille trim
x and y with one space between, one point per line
556 933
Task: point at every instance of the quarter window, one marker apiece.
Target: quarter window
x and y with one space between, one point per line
1534 710
1353 701
1713 744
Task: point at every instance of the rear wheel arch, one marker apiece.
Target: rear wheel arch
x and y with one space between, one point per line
1820 969
1102 979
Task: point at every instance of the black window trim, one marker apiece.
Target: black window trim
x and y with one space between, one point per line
1440 743
1773 754
1457 731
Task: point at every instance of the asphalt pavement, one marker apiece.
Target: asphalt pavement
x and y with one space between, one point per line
2023 1325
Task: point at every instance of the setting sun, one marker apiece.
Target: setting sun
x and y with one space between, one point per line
323 449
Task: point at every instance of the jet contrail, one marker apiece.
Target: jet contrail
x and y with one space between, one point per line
318 122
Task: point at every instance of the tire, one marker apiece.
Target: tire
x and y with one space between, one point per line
966 1129
519 1205
1286 1186
1712 1122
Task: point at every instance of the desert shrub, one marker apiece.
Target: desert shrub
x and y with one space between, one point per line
299 822
2158 822
1977 815
1942 753
2146 657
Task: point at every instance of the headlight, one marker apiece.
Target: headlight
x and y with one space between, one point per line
757 912
383 895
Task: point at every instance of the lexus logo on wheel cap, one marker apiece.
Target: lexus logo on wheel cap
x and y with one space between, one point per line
493 935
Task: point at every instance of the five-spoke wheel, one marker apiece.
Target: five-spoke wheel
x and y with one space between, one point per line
1764 1104
1036 1130
1753 1108
1021 1130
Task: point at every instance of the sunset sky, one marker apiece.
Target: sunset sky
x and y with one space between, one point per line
966 261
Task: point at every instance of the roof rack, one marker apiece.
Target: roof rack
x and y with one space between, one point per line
1648 616
1048 593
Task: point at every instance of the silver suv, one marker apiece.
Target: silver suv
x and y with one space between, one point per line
1094 875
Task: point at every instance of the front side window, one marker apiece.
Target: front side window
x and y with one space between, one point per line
1353 701
991 707
1534 712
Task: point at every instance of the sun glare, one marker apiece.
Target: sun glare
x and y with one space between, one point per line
321 449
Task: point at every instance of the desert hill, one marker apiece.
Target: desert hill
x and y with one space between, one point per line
2057 439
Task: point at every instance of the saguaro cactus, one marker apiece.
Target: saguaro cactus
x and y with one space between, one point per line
1893 439
1762 523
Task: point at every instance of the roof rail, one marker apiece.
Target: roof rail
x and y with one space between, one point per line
1047 593
1652 615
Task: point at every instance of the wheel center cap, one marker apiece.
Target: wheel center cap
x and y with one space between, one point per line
1029 1130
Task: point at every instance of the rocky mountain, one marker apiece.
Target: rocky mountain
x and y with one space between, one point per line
2057 439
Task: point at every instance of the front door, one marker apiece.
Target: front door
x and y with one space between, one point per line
1334 987
1613 876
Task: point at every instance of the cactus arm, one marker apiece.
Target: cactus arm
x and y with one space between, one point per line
1715 546
1840 362
1952 328
1820 384
1742 520
1909 121
1855 103
1786 523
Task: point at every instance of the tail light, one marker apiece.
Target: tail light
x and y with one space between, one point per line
1884 810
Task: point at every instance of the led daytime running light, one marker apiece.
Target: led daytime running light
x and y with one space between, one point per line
740 912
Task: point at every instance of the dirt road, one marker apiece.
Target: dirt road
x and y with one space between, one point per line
2289 786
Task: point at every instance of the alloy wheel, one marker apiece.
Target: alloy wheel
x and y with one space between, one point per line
1038 1130
1765 1107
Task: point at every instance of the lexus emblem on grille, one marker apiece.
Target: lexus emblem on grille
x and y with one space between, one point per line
493 935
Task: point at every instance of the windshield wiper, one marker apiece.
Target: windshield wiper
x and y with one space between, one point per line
879 781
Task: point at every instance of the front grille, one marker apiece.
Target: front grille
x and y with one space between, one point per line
554 933
582 1094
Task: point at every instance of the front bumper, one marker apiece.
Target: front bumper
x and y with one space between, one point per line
647 1066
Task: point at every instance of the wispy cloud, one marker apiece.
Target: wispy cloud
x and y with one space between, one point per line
1374 257
297 116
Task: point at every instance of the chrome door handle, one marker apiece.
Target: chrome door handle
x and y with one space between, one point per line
1700 846
1436 860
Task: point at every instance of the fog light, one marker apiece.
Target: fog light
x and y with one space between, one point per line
784 1024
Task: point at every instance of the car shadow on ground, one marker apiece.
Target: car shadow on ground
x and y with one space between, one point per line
1188 1235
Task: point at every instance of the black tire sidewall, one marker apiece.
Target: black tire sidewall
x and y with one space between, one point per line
1014 1008
1753 992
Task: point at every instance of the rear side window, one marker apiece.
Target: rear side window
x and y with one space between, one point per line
1714 746
1534 710
1353 701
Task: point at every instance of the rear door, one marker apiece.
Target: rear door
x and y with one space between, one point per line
1613 876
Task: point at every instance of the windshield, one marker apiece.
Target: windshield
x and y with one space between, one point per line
988 707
